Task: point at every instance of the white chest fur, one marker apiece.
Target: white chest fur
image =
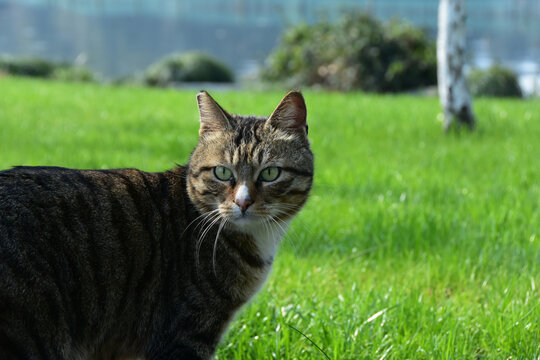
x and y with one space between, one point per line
267 239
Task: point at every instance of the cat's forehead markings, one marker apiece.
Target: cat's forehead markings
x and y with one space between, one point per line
236 157
258 155
228 157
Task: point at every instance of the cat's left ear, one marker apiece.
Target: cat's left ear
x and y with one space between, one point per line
290 114
213 117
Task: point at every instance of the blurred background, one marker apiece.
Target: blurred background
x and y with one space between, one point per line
120 38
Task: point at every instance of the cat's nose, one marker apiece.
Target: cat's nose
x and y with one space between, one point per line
242 198
243 204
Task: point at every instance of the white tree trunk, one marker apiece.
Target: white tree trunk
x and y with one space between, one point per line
453 91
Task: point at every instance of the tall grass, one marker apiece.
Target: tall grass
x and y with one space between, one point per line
414 244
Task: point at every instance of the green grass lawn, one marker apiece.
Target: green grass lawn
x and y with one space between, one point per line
414 244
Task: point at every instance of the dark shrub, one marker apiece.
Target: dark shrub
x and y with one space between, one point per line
187 67
356 52
27 67
494 81
41 68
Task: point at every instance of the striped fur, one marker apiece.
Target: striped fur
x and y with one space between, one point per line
118 264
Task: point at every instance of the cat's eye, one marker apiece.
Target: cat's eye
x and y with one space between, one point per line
270 173
222 173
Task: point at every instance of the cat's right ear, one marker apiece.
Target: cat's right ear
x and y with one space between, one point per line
213 117
290 114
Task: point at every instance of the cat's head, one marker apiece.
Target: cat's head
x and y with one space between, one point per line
252 171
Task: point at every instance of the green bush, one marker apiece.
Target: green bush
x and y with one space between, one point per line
187 67
494 81
36 67
356 52
74 73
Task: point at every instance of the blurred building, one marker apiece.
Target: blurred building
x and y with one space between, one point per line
119 37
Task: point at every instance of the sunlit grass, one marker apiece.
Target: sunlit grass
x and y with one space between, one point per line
414 244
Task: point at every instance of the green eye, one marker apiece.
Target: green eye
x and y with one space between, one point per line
270 174
222 173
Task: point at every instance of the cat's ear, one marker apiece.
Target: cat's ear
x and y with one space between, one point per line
212 116
290 114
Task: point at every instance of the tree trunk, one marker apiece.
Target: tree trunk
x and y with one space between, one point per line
453 91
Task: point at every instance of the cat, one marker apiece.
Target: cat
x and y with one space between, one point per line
126 264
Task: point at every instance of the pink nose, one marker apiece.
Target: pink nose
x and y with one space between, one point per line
243 203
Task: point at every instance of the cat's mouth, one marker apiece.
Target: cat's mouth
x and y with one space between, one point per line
243 221
253 217
246 219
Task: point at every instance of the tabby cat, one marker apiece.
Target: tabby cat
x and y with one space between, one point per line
125 264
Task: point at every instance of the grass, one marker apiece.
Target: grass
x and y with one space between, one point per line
414 244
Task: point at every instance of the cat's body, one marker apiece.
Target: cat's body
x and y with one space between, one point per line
105 259
104 264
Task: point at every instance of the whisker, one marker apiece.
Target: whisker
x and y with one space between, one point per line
276 219
197 218
203 226
298 223
200 239
201 220
223 221
267 221
205 230
287 206
266 224
276 223
204 221
282 212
